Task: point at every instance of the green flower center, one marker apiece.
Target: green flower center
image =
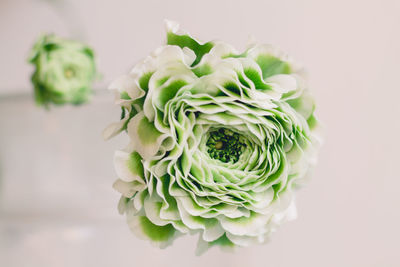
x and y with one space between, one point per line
69 73
225 145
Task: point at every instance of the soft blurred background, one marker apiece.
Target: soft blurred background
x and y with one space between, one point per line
57 207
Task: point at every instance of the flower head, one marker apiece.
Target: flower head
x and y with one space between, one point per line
64 71
219 140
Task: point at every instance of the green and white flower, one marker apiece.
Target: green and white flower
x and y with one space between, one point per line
64 71
219 140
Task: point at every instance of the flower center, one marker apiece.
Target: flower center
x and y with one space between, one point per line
225 145
69 73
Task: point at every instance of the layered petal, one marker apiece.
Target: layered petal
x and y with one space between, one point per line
218 141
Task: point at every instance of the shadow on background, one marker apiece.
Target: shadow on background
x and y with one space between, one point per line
68 12
1 181
65 9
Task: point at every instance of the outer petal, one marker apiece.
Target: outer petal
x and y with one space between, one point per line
161 236
147 138
129 166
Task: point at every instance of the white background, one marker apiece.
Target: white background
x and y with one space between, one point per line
348 213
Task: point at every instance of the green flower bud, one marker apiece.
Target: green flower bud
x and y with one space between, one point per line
64 71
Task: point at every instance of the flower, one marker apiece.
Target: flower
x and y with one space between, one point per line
219 140
64 71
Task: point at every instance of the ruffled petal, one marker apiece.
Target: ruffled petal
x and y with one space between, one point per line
219 140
